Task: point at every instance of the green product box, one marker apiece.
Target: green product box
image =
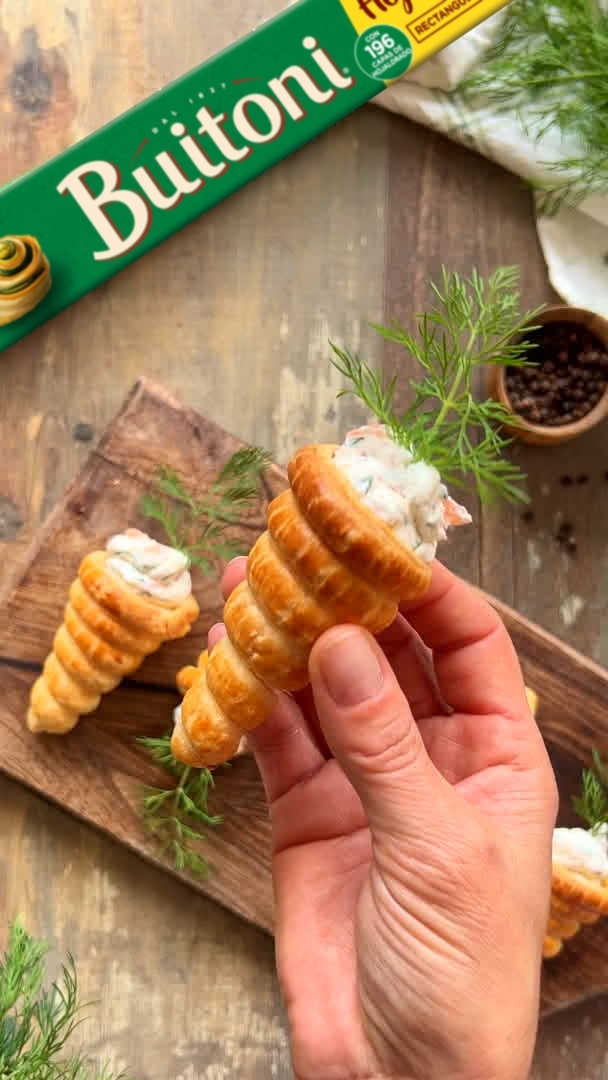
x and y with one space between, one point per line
76 221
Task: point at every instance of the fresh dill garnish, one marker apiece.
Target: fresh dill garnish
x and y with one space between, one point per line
592 804
197 526
36 1023
174 815
472 323
549 64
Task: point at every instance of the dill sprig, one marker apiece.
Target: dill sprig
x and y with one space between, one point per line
592 804
549 64
36 1023
197 526
174 815
472 323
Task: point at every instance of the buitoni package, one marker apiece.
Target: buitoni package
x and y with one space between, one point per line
76 221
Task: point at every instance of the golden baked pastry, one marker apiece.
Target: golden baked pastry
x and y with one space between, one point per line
339 548
187 675
25 276
579 879
578 897
125 602
579 894
185 678
532 699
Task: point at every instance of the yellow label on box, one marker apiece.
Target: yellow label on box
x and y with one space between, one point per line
396 35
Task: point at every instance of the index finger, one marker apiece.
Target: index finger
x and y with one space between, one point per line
475 661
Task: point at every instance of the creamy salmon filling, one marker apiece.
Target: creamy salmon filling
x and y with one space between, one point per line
409 495
155 569
585 850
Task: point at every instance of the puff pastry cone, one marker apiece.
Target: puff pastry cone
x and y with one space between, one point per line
25 276
577 898
185 678
326 558
125 602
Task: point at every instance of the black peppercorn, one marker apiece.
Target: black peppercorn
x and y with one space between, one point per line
567 378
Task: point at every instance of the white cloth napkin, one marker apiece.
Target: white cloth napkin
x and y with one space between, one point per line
575 241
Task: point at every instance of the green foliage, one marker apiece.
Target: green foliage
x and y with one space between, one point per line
36 1023
174 815
549 63
592 804
197 526
472 323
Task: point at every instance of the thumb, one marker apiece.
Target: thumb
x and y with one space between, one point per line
370 730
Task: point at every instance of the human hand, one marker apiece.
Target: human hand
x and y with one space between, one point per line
411 847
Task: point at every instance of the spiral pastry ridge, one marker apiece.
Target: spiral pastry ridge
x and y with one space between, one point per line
577 900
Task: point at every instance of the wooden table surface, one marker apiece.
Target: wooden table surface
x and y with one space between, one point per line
346 232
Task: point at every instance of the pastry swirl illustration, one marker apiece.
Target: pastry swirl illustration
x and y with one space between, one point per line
25 276
125 602
349 541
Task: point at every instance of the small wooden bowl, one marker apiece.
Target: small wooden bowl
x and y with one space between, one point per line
543 434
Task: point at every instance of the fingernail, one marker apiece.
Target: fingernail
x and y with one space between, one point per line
350 669
217 631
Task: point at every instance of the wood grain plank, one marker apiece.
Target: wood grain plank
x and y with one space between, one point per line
181 987
571 1043
549 666
98 774
567 592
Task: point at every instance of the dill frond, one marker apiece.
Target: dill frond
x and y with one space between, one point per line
175 816
471 323
549 65
37 1023
592 803
197 526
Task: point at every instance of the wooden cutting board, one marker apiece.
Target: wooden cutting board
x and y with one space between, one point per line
98 771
